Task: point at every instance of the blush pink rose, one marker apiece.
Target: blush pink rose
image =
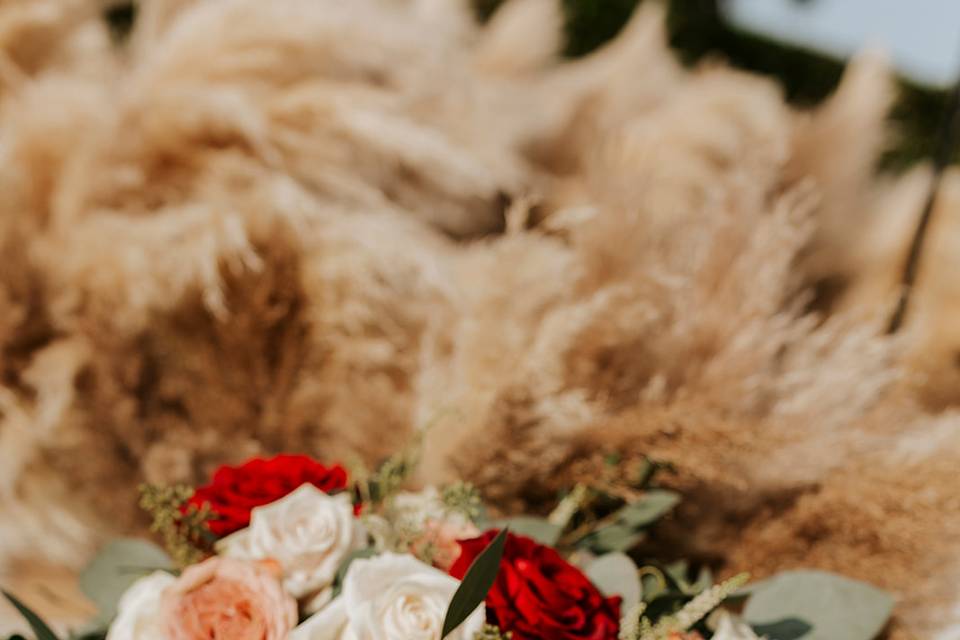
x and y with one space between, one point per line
438 541
228 599
431 530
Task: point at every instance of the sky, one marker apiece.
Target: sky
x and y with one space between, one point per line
921 36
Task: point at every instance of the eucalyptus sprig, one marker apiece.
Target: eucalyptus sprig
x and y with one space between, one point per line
184 530
463 498
692 612
397 469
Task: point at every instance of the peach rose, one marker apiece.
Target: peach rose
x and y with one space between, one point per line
438 541
433 529
229 599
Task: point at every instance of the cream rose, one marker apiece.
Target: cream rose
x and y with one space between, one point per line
389 597
308 532
138 615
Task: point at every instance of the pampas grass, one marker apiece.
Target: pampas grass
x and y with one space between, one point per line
321 226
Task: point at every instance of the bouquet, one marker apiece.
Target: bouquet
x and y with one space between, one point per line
291 548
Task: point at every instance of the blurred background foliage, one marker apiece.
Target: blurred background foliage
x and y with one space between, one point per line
697 30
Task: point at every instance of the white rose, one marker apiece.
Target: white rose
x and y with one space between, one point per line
308 532
390 597
138 610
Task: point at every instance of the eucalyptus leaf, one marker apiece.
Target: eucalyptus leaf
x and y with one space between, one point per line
90 634
704 581
676 573
118 565
614 537
787 629
615 574
39 627
652 586
678 576
626 529
834 606
359 554
740 595
649 508
540 529
475 584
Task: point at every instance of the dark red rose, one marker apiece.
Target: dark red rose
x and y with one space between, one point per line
235 491
540 596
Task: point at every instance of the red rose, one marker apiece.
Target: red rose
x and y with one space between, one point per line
540 596
235 491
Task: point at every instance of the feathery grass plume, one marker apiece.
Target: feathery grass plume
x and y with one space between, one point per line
694 611
646 628
244 233
631 621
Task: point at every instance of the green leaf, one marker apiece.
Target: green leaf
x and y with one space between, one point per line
39 627
649 508
704 581
835 606
788 629
615 574
118 565
540 529
615 537
626 528
678 575
359 554
652 586
475 585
